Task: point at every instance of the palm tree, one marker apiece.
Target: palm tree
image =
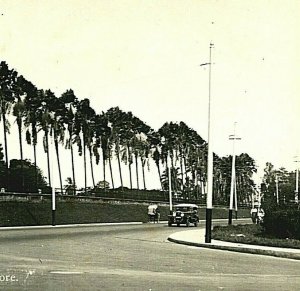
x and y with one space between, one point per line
103 134
245 168
155 150
70 101
184 146
44 121
19 112
19 109
89 144
175 179
32 104
144 153
57 114
83 118
8 79
116 119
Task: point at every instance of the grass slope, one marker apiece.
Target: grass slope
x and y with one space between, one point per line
19 213
251 234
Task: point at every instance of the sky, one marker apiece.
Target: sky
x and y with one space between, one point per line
145 56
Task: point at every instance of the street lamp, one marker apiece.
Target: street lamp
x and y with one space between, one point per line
209 161
52 179
233 193
170 181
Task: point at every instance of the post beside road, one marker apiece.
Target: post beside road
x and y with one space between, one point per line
209 196
233 194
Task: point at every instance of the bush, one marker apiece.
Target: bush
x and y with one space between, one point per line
282 222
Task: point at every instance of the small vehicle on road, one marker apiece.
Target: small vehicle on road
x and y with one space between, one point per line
153 213
185 213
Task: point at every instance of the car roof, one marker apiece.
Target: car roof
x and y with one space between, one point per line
187 205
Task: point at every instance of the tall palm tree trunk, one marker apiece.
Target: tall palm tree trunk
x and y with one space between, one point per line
5 149
184 164
58 164
19 122
20 139
129 166
35 167
181 170
159 175
119 164
103 164
48 159
143 162
73 168
34 136
111 173
84 162
92 168
137 172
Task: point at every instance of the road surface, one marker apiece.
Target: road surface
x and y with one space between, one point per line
131 257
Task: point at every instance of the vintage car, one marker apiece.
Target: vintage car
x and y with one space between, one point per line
184 214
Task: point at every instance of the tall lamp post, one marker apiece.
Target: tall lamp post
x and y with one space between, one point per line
170 181
209 161
53 187
233 193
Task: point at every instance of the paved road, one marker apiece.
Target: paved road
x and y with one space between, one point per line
131 257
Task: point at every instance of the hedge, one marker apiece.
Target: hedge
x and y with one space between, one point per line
282 222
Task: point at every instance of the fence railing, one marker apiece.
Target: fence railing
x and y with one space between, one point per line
137 196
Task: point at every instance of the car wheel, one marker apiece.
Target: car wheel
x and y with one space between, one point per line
178 224
169 223
196 224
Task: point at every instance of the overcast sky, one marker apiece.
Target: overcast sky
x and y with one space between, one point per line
144 57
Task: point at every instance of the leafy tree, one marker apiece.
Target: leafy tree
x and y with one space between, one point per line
102 185
269 179
70 187
29 174
285 182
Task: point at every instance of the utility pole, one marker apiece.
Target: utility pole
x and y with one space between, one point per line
209 160
233 193
297 180
53 186
170 181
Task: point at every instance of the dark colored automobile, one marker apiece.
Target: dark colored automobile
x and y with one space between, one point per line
184 214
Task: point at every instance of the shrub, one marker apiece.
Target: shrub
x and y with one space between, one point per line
282 222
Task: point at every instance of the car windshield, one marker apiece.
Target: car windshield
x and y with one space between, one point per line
183 209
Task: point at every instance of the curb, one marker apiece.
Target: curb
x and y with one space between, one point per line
240 249
68 225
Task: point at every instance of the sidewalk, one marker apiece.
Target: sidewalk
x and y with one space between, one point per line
196 237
